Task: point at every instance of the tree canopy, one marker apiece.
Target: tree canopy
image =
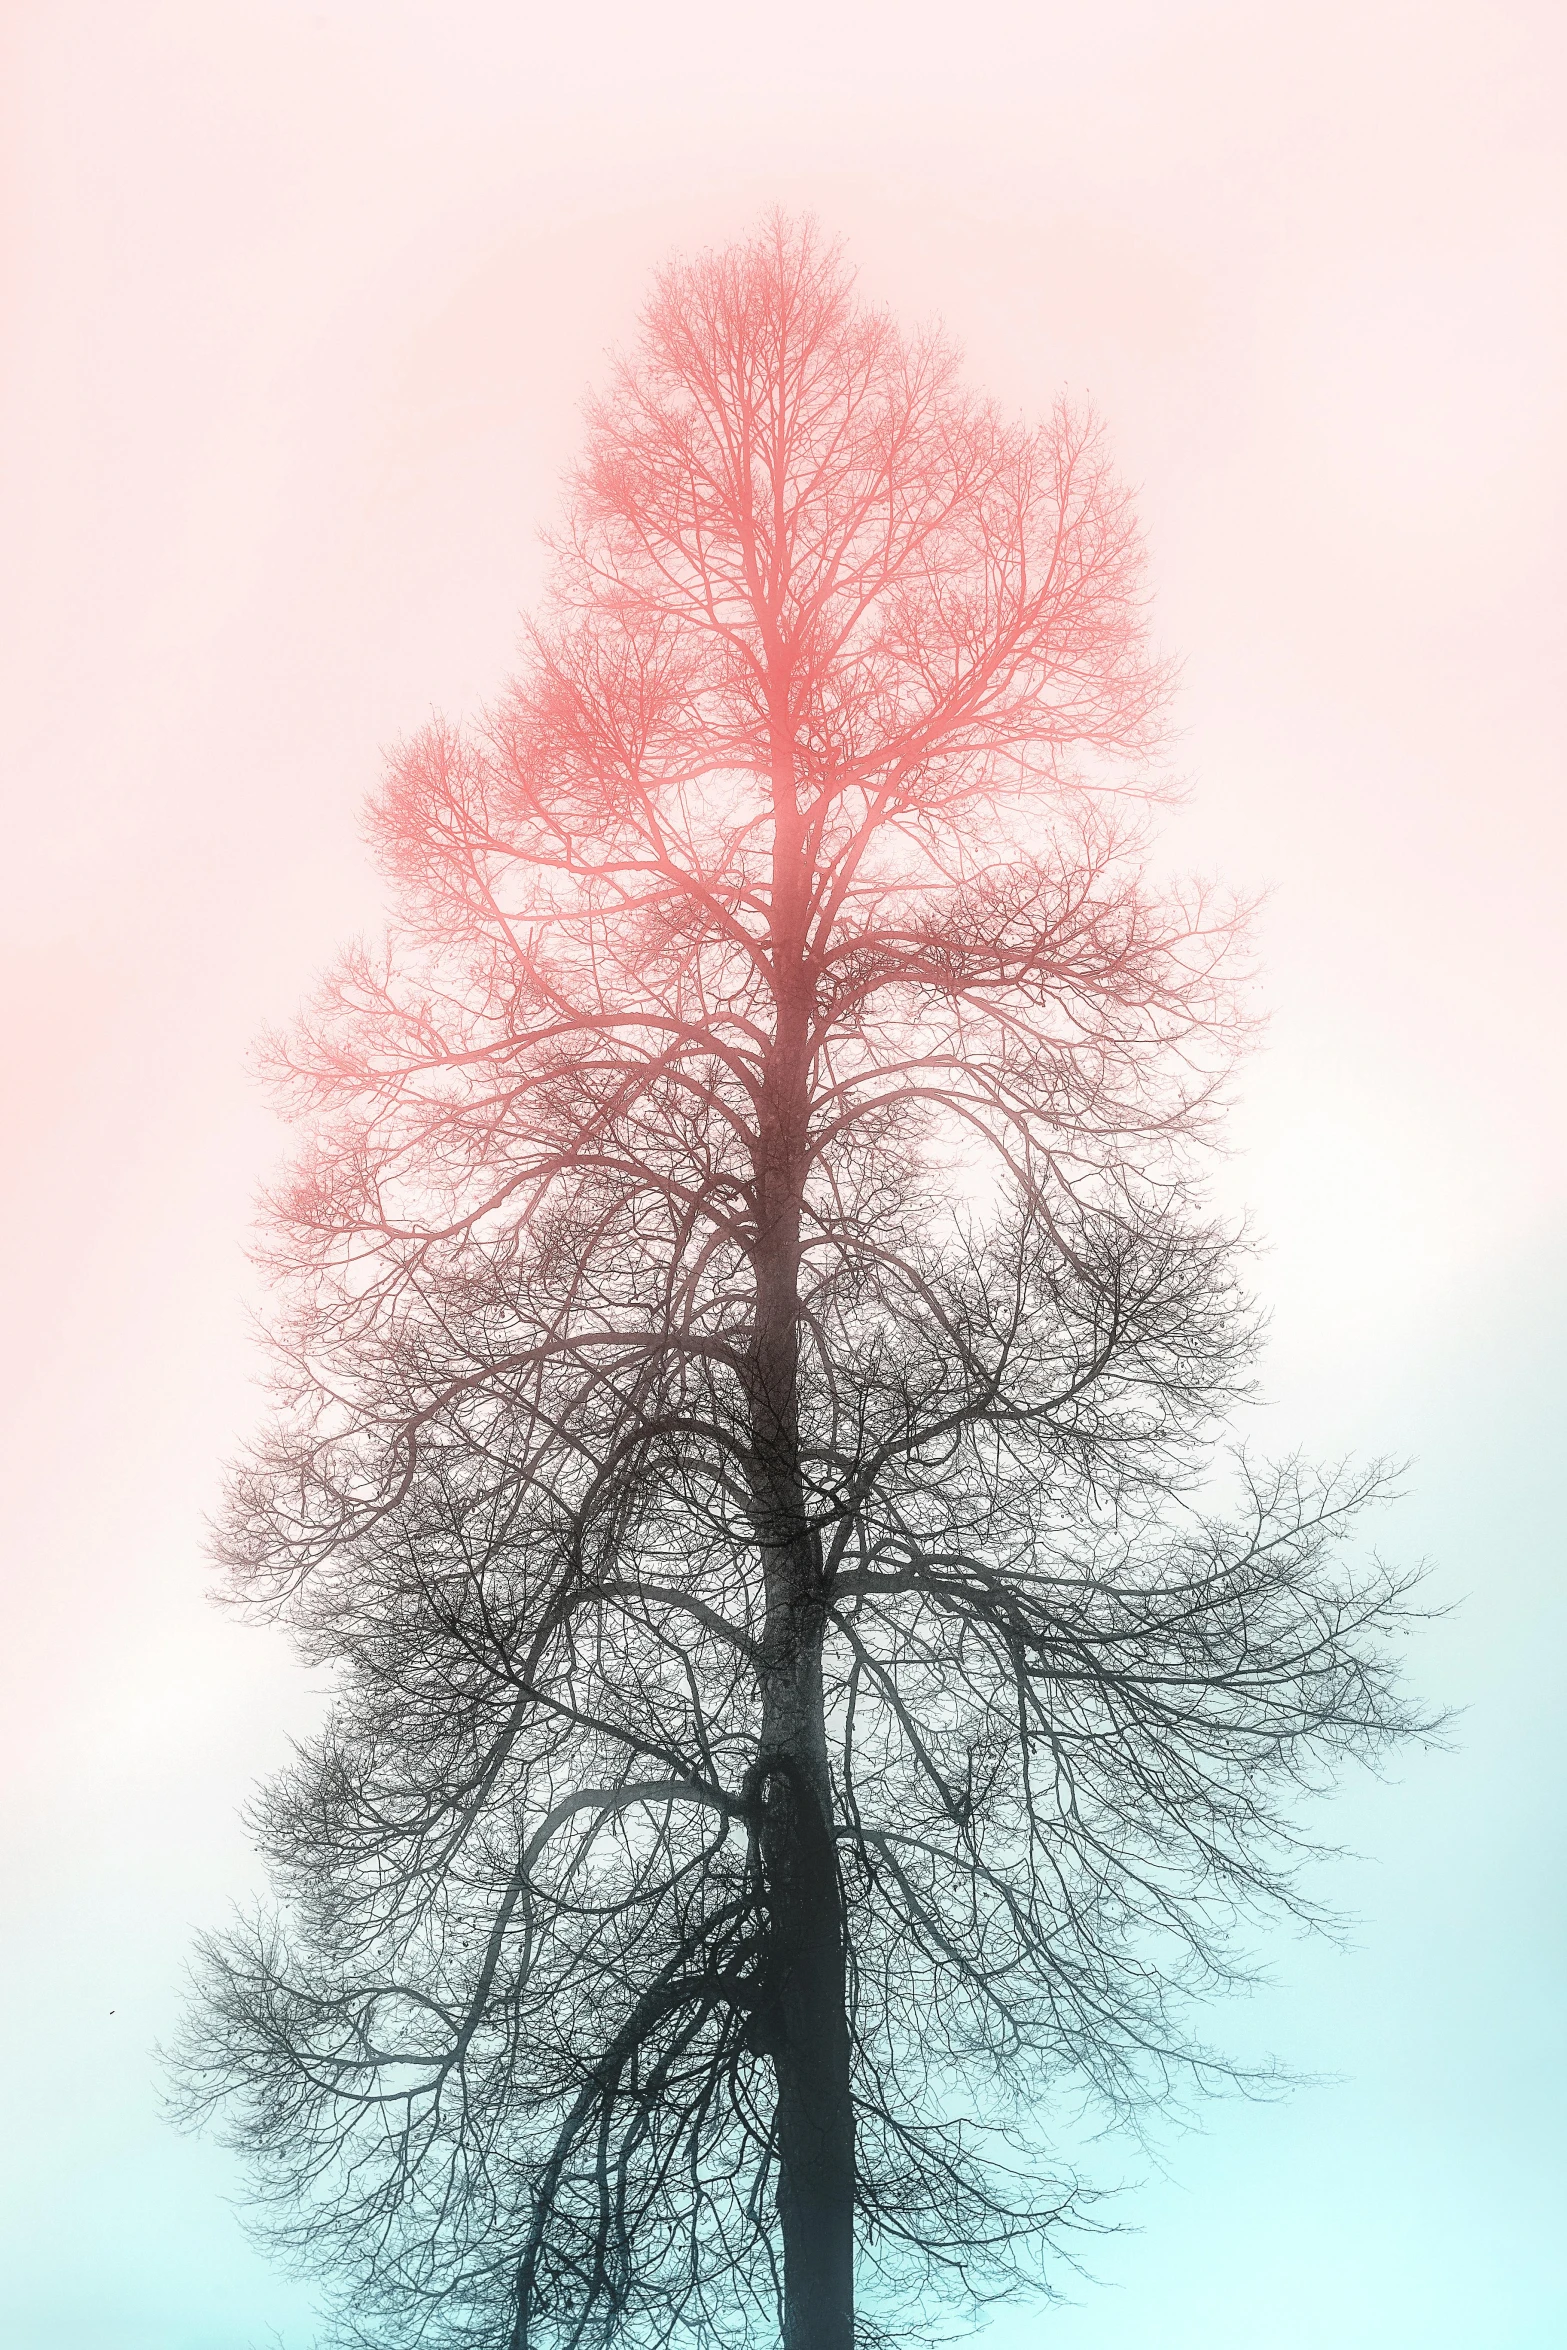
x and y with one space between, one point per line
751 1343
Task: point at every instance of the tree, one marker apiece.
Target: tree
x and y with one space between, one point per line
751 1344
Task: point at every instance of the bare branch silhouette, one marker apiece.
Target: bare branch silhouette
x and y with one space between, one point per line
750 1348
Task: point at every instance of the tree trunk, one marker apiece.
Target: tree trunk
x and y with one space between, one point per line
805 2027
808 2034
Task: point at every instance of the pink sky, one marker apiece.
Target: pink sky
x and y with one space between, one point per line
300 302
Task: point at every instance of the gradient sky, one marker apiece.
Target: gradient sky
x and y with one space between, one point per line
300 301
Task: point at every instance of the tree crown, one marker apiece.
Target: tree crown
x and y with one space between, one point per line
750 1337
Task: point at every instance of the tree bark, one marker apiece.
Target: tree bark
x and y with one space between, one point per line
805 2028
815 2113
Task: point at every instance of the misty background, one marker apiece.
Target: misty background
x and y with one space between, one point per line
300 302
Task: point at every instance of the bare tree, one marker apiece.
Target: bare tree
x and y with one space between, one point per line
751 1345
